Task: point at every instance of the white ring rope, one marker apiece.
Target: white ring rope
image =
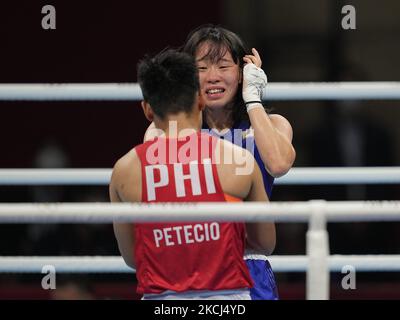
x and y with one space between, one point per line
131 91
296 176
115 264
334 211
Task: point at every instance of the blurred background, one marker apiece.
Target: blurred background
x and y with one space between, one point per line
299 41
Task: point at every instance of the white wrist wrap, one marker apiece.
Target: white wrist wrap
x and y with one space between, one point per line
254 83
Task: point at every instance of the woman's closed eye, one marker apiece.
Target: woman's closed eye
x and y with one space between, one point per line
225 66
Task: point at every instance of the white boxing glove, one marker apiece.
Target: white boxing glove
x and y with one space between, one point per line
254 83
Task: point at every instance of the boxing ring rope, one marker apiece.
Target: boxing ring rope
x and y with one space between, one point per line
131 91
296 176
318 262
291 211
115 264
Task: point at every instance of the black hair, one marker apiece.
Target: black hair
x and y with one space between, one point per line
169 82
222 40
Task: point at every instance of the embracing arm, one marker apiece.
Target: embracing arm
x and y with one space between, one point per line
261 236
124 232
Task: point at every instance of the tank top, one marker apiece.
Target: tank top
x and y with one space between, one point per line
183 256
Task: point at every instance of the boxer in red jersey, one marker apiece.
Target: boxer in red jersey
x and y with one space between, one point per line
186 260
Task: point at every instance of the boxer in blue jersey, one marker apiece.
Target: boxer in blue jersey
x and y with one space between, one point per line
232 83
260 269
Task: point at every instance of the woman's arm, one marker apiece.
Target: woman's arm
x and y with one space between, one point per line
273 136
261 236
273 133
124 232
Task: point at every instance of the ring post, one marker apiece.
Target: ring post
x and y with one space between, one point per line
317 247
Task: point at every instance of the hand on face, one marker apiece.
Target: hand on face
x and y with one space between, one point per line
253 58
254 80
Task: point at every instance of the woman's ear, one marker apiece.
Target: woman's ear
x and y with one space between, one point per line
148 112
